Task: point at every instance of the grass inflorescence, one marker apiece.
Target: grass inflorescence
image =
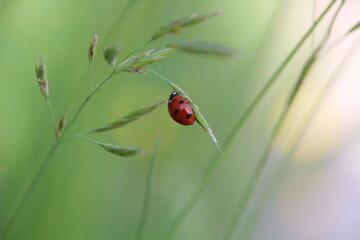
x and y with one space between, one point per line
134 63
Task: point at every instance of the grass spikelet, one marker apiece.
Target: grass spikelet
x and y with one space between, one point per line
40 71
121 151
178 25
92 48
128 118
205 48
60 126
136 62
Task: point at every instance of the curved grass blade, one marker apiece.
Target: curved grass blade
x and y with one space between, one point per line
121 151
128 118
205 48
355 27
200 119
178 25
137 61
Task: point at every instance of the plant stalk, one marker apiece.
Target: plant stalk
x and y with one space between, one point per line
35 181
254 179
210 170
147 196
27 194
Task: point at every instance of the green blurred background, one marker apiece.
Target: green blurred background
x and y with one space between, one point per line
87 193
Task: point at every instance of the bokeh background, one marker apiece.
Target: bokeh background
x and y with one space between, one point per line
87 193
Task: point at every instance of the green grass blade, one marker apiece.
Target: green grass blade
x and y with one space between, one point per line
128 118
209 172
254 179
354 28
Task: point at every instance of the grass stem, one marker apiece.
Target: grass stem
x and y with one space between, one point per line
254 179
35 181
90 77
208 173
86 100
52 115
27 194
148 193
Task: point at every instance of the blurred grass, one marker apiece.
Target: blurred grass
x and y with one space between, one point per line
89 194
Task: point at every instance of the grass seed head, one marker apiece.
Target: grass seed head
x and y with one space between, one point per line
121 151
61 125
136 62
40 71
205 48
92 48
178 25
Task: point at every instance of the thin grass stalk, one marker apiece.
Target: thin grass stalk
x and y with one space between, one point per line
90 77
34 182
87 99
149 189
250 188
27 194
116 25
238 213
305 123
209 172
52 114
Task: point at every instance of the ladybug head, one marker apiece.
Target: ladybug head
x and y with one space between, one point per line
173 94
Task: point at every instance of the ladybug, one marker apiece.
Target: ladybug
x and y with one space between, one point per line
180 110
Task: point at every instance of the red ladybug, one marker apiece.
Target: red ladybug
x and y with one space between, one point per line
180 110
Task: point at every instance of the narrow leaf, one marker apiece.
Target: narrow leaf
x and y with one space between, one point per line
136 62
198 116
177 25
355 27
128 118
206 48
121 151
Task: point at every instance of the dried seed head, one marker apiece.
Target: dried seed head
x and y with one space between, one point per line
40 71
92 48
110 54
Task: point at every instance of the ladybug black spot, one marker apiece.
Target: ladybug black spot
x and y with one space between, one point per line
188 116
181 101
176 111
